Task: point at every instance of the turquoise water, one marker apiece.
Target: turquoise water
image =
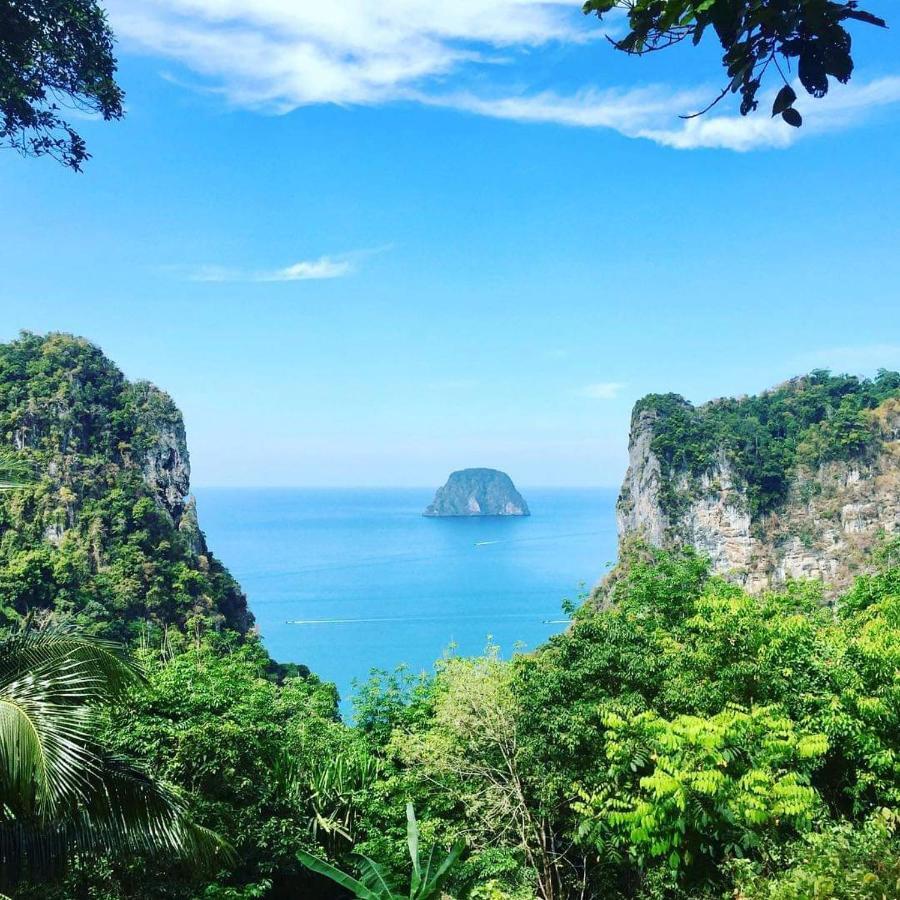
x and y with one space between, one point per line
347 580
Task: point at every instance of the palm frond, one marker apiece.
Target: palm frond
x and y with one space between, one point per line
49 681
105 661
61 792
128 809
45 737
122 810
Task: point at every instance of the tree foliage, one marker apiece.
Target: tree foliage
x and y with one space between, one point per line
683 739
758 38
837 862
212 720
54 53
688 790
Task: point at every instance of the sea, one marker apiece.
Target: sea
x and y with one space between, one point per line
347 581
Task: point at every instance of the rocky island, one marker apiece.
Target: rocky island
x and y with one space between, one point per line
478 492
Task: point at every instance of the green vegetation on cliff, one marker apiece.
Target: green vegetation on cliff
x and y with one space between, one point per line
807 421
105 535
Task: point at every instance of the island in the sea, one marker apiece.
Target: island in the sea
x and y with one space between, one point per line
478 492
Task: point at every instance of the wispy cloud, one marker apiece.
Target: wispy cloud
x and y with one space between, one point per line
602 390
306 270
653 113
844 106
278 55
309 270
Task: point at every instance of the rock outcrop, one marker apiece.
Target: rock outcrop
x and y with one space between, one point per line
164 458
832 515
478 492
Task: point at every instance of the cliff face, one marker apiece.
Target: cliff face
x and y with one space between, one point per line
831 515
478 492
107 533
163 456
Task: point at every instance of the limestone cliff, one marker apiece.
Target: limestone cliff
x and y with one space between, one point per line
163 454
821 520
106 532
478 492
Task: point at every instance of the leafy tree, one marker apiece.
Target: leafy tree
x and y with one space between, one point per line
471 748
756 36
689 790
374 883
211 720
54 53
692 665
62 791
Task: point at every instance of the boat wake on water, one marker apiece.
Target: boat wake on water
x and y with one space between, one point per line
468 617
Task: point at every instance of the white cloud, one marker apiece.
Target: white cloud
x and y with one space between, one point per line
603 390
306 270
287 53
625 111
652 113
844 106
277 55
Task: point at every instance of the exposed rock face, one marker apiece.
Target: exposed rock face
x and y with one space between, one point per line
478 492
164 457
832 517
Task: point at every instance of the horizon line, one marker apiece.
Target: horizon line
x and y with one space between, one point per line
387 487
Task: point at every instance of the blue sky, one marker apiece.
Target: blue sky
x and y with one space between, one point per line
366 244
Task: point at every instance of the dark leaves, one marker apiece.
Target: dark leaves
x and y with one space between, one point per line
811 70
785 99
757 36
862 16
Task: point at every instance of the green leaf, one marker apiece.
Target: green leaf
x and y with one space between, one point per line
62 792
375 875
319 866
792 117
412 839
430 888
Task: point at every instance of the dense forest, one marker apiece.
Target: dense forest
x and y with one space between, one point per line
681 739
805 422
